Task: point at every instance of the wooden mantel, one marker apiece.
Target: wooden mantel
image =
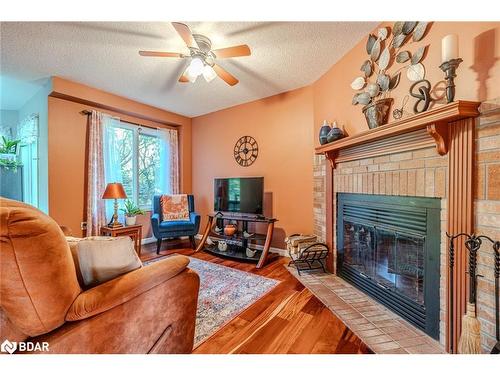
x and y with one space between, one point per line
450 128
436 122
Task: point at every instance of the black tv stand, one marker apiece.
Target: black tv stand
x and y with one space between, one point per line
238 242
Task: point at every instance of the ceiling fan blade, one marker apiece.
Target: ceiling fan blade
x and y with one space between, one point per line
225 75
183 78
235 51
185 33
160 54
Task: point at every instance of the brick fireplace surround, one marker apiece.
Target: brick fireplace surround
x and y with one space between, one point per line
416 168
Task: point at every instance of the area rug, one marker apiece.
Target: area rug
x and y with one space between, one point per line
224 293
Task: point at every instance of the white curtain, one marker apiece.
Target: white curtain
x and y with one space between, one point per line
95 175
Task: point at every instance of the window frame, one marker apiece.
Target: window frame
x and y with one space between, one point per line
137 130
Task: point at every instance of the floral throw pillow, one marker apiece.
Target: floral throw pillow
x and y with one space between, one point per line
174 207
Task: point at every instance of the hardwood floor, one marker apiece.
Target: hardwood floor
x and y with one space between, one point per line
289 319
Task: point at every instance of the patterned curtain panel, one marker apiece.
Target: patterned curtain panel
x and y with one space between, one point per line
95 179
173 147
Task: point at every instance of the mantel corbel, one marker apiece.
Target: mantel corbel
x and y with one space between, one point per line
440 131
331 156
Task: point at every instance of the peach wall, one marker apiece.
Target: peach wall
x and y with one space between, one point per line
333 94
67 145
67 134
282 126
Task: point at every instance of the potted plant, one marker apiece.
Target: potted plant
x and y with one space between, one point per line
11 174
376 83
131 211
8 154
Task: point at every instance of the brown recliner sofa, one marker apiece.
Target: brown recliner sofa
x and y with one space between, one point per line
149 310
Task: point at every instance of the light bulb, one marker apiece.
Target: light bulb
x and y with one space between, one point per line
196 66
209 73
190 75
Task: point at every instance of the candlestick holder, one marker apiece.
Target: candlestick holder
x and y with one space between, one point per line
449 68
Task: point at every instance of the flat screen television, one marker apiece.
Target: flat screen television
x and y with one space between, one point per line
239 194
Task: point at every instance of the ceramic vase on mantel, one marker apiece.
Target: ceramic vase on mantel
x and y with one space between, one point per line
334 133
377 113
323 133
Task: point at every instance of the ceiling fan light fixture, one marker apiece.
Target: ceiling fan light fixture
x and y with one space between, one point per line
201 56
196 66
209 73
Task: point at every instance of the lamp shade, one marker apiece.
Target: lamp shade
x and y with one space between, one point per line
114 190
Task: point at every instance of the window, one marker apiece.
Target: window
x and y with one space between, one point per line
148 168
139 158
22 181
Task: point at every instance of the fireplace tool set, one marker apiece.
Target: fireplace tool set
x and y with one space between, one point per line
470 340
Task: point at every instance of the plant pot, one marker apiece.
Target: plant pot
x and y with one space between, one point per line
377 113
130 220
11 183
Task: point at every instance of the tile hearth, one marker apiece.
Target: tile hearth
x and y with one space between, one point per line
378 327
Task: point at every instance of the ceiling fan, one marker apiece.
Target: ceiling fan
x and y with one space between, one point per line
202 56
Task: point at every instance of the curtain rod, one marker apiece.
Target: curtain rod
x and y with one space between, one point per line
86 112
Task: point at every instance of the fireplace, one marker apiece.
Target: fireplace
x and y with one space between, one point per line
389 247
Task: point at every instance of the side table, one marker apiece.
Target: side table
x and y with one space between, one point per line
133 231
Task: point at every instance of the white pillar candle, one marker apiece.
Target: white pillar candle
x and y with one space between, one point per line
449 48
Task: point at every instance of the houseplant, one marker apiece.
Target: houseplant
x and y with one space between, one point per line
385 48
8 154
131 211
11 176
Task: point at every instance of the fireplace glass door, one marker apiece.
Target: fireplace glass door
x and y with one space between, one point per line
395 261
389 247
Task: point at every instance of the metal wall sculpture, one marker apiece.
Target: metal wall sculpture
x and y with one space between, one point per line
385 48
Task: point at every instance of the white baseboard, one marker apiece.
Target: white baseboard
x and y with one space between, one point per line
145 241
152 239
281 252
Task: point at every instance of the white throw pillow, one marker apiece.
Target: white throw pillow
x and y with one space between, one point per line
99 259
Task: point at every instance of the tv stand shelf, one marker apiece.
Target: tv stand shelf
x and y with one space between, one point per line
238 243
238 236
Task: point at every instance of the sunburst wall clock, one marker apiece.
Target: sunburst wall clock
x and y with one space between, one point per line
246 151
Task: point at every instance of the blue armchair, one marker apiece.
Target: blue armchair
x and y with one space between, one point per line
173 229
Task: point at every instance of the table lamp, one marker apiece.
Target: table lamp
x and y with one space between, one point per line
114 190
